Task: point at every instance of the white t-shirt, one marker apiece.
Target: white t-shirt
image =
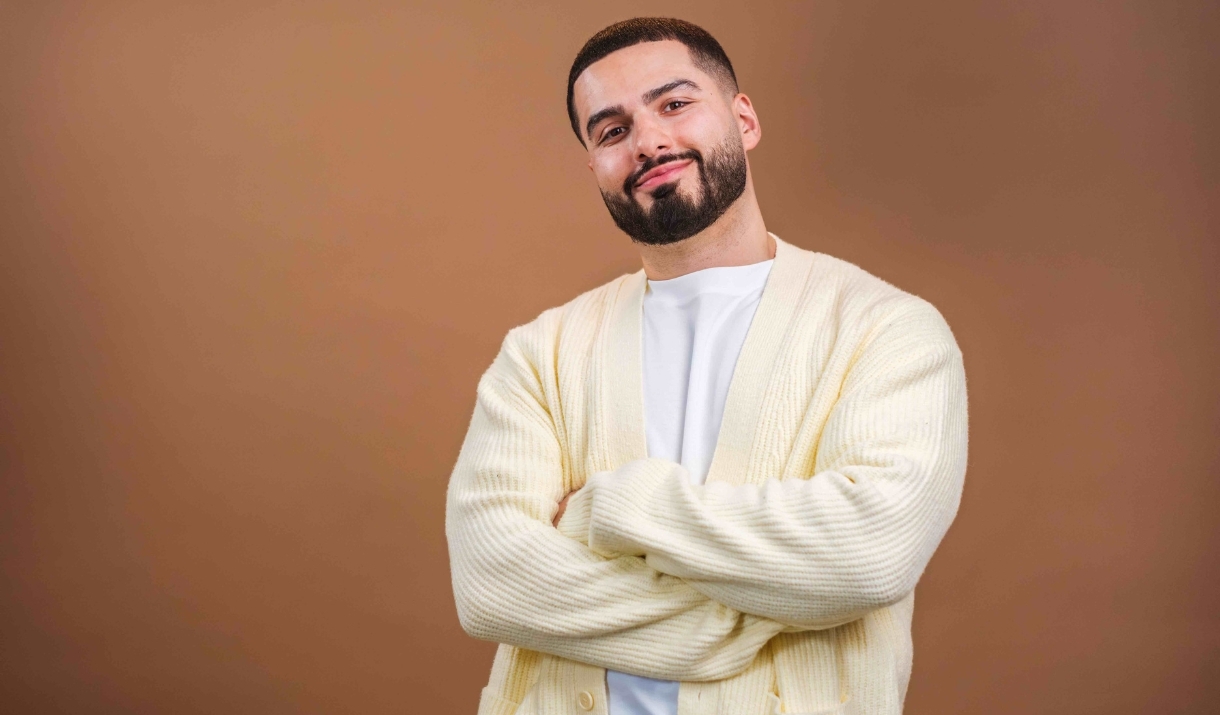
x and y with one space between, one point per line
693 329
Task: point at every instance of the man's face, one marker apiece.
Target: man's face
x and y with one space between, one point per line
664 140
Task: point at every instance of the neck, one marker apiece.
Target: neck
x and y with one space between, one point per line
738 238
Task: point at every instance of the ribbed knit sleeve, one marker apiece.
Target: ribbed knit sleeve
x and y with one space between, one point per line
517 580
819 551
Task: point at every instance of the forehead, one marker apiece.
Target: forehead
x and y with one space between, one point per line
623 75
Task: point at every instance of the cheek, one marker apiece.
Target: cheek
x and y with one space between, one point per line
611 171
699 131
702 128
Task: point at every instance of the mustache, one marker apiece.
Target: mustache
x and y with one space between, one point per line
650 164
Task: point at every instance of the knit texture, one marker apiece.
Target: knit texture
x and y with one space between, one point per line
785 582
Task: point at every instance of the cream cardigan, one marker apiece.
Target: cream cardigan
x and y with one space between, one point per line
786 582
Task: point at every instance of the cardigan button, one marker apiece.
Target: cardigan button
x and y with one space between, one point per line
585 700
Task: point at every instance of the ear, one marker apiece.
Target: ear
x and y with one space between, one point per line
747 121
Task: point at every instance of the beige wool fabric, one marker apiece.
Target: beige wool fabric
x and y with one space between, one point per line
786 582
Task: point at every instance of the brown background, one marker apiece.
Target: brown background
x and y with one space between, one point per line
255 257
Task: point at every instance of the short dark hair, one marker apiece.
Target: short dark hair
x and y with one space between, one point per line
705 51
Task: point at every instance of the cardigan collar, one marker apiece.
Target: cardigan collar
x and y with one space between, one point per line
621 392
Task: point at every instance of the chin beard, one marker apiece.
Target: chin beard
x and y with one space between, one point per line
673 215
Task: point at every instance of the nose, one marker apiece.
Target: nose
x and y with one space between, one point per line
651 138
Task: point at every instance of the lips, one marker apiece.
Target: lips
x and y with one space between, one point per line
661 173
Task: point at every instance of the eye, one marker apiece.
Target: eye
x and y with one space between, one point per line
612 133
678 102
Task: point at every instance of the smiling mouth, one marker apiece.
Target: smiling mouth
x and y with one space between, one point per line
662 173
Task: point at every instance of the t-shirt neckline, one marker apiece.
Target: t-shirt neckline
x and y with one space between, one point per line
724 280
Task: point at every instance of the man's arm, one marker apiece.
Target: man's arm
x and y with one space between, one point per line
816 552
517 580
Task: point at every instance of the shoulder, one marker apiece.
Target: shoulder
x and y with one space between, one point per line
538 342
868 307
881 331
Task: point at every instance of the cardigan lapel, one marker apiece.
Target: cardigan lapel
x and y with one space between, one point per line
621 390
622 385
755 366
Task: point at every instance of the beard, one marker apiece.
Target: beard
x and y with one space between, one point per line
673 215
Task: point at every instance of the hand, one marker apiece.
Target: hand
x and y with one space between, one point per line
563 504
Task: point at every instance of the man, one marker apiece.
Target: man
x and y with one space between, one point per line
709 487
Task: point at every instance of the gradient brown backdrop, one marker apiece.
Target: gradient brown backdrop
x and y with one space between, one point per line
255 257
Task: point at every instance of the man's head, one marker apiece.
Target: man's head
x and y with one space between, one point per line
655 103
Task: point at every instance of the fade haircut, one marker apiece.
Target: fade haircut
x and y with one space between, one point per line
705 51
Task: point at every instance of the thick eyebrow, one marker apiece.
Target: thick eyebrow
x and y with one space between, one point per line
651 95
648 98
600 116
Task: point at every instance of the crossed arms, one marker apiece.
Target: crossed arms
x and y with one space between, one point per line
649 574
